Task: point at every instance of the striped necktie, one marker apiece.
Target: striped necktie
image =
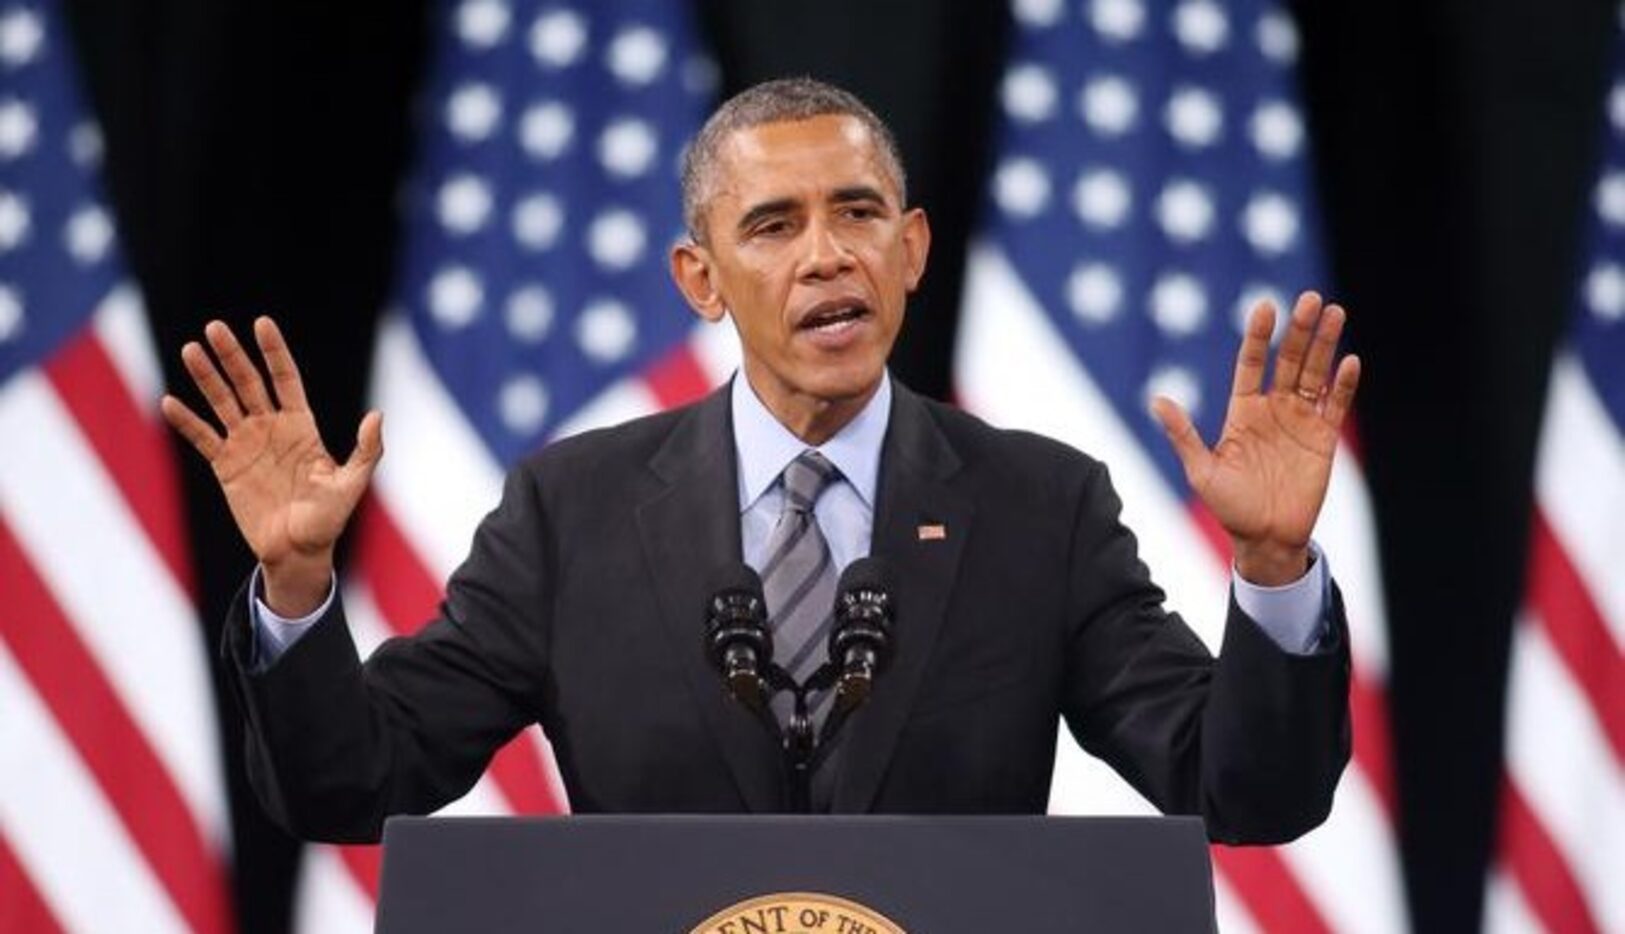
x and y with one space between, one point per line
799 577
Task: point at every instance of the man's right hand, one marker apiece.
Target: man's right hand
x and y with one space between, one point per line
290 498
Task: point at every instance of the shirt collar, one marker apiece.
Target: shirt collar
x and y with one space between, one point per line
765 447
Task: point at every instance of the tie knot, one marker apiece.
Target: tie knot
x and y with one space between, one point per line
805 478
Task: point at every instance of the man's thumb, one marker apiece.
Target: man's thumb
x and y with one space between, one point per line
369 443
1186 440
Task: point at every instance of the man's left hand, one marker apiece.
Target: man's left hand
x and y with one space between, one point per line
1266 478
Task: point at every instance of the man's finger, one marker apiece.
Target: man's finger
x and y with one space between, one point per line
1301 325
222 401
1255 350
290 389
1317 367
190 426
369 447
1187 442
239 369
1343 388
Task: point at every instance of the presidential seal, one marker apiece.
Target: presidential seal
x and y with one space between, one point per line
798 913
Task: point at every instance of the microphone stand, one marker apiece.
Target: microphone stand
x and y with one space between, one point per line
802 753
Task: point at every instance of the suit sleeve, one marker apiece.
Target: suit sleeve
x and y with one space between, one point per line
1253 741
334 745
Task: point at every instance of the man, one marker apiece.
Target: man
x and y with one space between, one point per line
1019 595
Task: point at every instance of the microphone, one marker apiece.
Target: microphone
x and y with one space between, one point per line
860 643
737 640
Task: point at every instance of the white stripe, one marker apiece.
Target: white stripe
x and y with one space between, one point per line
120 323
369 630
1013 369
621 401
96 561
1580 485
716 347
550 768
1505 911
1560 759
485 799
1229 911
329 899
1348 538
1082 784
436 478
1348 866
64 831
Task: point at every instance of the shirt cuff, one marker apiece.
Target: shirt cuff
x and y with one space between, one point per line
1292 615
275 634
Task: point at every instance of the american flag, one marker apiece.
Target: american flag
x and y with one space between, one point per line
113 813
1150 187
1561 855
534 301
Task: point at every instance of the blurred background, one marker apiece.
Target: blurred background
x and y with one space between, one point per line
1434 167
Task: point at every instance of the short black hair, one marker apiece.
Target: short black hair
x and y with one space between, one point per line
776 101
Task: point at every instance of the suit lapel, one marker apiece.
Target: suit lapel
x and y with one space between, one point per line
921 524
689 529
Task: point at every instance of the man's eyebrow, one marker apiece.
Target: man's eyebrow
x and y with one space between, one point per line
765 209
857 193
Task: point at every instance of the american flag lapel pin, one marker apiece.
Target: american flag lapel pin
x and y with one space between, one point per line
932 532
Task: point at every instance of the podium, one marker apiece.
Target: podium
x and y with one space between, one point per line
824 874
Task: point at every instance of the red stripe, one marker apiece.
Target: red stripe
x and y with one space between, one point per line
1352 443
1269 889
1540 868
21 908
1261 878
1212 532
402 587
89 711
1373 744
1368 707
133 448
677 378
365 865
406 595
518 771
1576 630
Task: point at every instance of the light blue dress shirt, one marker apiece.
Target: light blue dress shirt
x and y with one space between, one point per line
846 509
1293 615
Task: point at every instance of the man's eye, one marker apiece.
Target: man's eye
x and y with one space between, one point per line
862 212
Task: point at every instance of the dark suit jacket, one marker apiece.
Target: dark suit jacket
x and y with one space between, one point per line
581 607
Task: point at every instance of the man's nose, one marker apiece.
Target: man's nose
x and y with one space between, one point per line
827 256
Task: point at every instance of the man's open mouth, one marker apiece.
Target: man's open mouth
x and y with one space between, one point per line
834 316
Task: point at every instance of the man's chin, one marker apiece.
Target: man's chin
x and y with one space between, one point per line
846 387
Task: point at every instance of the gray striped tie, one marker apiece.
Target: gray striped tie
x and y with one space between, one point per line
798 578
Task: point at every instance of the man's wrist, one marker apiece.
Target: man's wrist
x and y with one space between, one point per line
296 587
1269 565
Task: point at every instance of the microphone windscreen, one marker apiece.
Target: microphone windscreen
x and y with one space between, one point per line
734 578
870 573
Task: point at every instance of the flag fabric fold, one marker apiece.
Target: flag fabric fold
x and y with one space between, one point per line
1150 187
532 302
113 811
1561 839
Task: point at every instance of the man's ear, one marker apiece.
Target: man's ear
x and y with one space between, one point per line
916 244
691 270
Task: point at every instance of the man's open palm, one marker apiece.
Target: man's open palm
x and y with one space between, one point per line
290 498
1267 476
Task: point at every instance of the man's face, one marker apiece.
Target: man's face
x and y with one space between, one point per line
808 248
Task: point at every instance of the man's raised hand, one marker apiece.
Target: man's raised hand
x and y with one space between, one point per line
1267 476
290 498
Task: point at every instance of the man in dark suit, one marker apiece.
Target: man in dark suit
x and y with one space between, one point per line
1020 597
